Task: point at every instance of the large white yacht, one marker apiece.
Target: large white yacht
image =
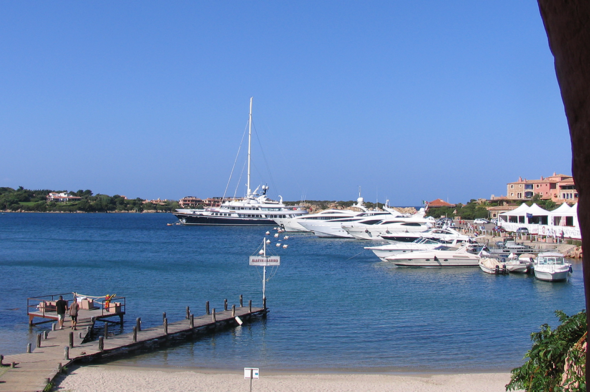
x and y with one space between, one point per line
333 228
254 209
292 223
421 244
444 235
375 228
441 256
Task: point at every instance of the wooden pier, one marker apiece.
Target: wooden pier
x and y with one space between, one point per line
44 307
36 370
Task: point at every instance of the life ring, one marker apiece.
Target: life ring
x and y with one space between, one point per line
543 230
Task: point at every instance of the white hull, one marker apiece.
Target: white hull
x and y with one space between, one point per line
375 233
293 224
290 224
551 267
552 276
333 228
430 262
392 249
440 257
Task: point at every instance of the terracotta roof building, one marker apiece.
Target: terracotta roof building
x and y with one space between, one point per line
558 188
439 203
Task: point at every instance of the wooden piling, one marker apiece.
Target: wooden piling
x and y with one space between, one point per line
192 321
66 353
213 316
241 301
233 310
100 343
163 316
71 339
225 304
165 326
138 324
39 340
28 348
134 334
207 307
250 306
188 313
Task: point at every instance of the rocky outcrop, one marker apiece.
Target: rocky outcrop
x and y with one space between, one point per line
567 23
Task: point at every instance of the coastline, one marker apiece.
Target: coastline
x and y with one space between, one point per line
133 378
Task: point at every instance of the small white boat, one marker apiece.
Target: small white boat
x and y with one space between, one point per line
492 265
551 267
519 264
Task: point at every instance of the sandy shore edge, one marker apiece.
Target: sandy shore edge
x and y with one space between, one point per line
131 378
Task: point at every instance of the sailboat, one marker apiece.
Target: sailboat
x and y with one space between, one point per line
254 209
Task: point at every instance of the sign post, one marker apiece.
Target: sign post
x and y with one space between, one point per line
262 261
251 373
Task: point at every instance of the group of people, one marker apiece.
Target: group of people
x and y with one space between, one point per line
61 306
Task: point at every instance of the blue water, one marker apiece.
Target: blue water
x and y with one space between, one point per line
333 304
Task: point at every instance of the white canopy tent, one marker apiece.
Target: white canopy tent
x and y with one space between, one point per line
563 220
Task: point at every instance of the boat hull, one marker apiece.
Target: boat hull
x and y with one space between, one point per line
205 220
435 262
552 276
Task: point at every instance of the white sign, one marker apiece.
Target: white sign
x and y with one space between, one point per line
251 373
265 261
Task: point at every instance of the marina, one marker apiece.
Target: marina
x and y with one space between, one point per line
162 268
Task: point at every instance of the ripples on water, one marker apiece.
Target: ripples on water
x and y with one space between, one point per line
333 304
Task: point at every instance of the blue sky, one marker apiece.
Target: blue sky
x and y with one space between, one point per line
411 100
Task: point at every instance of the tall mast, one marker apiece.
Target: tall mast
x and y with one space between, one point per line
249 143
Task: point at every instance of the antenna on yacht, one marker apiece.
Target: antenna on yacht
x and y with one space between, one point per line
249 144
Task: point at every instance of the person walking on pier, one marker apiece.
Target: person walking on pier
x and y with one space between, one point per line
60 307
74 307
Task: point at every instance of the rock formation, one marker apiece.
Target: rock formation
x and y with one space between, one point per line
567 23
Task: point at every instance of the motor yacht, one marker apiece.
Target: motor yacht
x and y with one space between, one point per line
292 223
375 228
551 266
442 235
333 228
441 256
420 244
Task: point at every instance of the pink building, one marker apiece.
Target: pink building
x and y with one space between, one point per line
558 188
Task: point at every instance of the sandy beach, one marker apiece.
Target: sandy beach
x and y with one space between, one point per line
111 378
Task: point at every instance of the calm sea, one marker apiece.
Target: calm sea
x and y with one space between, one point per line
333 304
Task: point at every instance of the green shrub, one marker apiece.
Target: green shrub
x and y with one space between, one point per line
544 368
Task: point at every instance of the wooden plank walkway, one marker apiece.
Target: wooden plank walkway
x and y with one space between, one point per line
37 369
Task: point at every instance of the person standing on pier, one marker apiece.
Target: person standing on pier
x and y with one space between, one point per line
60 307
74 307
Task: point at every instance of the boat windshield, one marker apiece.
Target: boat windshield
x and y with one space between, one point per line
551 260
